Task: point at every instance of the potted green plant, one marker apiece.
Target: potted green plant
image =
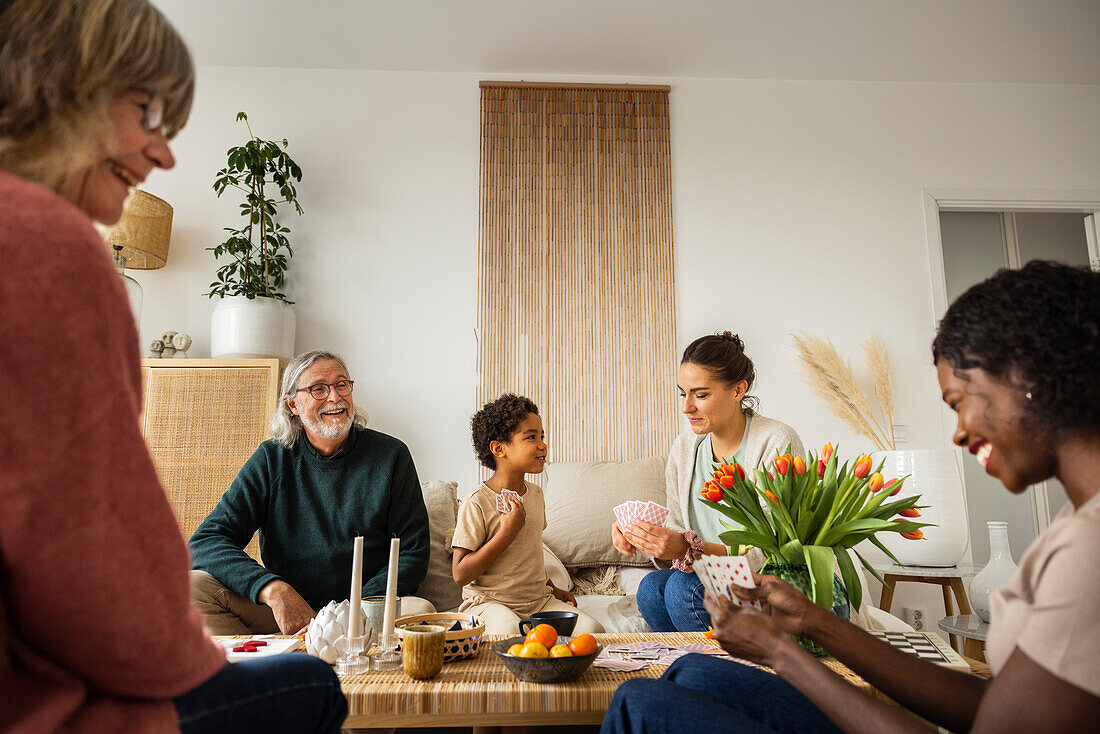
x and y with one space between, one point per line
808 514
253 317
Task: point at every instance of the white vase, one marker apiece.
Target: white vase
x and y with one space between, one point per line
936 475
997 573
259 327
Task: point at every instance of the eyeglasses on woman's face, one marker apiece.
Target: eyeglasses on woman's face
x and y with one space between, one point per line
320 390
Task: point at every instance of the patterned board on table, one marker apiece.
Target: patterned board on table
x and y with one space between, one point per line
926 647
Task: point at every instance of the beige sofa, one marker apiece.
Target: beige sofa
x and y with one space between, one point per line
577 541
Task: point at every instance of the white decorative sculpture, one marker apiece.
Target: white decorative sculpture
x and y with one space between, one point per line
327 634
182 342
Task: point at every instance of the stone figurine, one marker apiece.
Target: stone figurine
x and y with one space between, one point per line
155 349
182 342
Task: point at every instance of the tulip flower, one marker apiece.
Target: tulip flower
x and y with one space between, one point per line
714 494
740 470
820 468
771 496
726 481
782 464
799 465
862 467
913 534
891 483
827 451
875 483
909 512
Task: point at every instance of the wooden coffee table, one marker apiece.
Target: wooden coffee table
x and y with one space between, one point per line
480 691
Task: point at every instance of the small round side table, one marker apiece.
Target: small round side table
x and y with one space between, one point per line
972 629
949 579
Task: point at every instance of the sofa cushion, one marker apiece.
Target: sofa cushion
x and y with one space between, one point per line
439 587
580 496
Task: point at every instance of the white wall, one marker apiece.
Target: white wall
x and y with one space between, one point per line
797 207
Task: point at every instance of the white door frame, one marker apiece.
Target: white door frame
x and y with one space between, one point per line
993 200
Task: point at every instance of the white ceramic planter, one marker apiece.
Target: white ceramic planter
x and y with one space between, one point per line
260 327
937 478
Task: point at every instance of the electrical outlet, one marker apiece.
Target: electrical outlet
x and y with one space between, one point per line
915 617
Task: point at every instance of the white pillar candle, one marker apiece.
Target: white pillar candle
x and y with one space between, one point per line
355 597
391 588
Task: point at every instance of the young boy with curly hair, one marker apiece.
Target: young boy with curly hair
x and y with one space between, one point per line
498 556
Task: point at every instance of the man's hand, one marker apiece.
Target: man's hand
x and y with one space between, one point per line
292 612
620 542
563 595
512 521
657 541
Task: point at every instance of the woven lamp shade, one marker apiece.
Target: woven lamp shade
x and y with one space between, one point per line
144 231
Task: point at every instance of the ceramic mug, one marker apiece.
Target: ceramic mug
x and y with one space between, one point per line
563 622
422 650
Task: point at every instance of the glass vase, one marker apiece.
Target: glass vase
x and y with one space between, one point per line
799 578
998 572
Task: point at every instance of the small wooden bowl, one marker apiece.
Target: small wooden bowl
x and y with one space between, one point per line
457 644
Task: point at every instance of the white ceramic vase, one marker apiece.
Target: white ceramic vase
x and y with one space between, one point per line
327 634
997 573
259 327
936 475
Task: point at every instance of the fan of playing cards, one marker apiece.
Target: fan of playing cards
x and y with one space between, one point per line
631 511
504 496
720 574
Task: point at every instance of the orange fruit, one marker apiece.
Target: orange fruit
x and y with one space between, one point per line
560 651
544 634
515 649
534 650
583 644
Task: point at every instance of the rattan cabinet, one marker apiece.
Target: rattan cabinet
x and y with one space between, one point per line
202 419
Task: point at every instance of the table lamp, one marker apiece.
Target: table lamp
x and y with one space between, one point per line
139 241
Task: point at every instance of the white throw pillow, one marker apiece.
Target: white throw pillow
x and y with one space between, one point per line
579 500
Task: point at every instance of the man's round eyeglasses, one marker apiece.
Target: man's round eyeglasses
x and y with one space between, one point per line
321 389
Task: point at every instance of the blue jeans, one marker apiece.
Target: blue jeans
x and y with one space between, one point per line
283 693
700 693
672 601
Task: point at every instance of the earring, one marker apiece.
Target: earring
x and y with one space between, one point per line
1027 395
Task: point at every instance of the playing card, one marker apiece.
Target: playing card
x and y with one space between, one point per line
653 513
619 664
721 573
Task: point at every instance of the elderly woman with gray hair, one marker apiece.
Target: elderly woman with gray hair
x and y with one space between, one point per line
322 479
97 632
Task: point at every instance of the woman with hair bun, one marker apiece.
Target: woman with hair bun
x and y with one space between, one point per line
714 379
97 631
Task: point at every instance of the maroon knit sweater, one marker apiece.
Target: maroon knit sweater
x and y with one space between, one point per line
97 631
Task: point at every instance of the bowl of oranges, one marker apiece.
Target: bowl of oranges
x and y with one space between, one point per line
544 657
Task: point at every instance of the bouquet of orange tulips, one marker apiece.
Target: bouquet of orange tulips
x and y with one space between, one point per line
808 513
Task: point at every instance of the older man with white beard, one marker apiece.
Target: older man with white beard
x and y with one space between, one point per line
322 479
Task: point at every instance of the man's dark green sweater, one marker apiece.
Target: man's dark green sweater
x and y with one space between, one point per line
308 510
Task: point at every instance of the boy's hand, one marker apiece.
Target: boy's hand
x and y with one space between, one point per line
563 595
512 520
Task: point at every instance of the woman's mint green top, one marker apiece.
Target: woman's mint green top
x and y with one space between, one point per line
707 521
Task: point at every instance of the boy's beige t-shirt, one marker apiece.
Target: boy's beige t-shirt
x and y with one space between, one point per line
517 577
1051 606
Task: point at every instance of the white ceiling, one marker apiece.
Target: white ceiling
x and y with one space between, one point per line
1013 41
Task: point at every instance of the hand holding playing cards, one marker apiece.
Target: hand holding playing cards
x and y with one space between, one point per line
512 520
756 635
657 541
620 542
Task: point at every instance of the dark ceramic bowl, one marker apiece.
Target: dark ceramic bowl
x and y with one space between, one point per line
543 670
